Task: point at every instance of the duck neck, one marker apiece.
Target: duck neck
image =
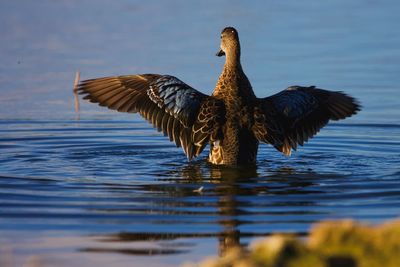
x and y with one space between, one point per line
232 61
231 77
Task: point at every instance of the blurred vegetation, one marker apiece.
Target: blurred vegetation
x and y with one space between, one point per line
330 244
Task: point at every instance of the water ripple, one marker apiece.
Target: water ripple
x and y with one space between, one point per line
119 181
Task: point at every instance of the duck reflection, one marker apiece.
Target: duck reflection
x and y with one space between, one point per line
234 189
229 207
231 183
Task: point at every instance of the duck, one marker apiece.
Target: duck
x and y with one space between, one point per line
233 121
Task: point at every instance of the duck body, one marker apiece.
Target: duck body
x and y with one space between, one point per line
237 144
232 120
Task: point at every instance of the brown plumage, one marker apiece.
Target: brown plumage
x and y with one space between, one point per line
232 120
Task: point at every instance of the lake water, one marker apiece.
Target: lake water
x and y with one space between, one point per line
102 188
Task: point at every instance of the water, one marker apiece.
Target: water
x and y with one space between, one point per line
103 188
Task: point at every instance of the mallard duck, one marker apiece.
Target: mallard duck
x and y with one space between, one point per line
232 120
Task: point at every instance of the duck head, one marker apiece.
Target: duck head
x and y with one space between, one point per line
229 42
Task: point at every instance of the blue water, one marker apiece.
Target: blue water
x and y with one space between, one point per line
101 188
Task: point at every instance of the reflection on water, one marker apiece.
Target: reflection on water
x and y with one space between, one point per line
227 189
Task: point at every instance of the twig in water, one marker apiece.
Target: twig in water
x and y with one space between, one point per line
76 98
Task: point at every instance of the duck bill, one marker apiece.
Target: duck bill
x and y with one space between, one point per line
220 53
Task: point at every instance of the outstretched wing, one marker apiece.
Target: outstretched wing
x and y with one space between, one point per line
187 116
296 114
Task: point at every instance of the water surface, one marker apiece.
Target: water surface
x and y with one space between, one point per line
100 187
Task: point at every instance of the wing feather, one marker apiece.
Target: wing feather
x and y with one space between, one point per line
293 116
188 117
